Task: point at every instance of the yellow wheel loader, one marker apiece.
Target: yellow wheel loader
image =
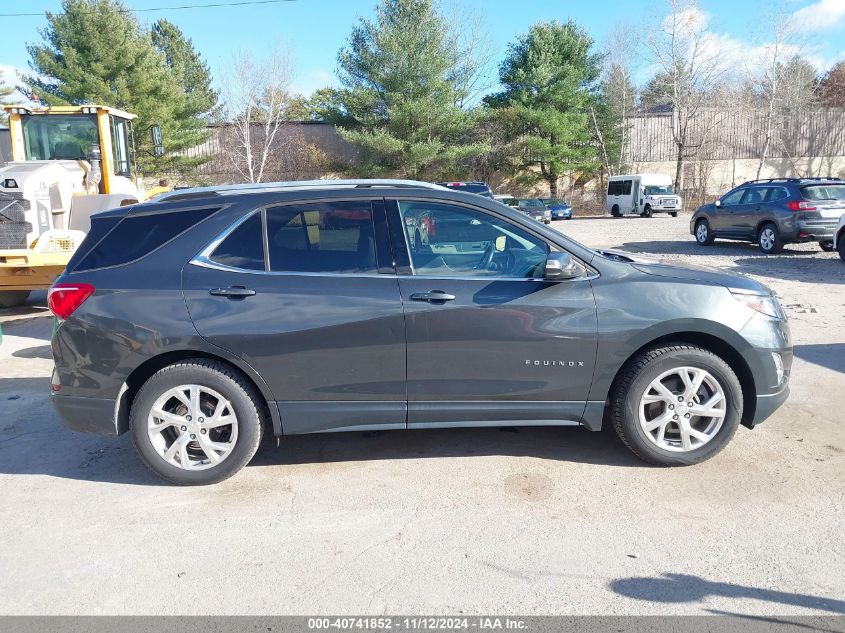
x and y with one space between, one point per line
67 163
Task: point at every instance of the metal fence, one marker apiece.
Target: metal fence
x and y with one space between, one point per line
725 134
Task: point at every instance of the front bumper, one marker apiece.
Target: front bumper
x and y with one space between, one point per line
87 415
767 405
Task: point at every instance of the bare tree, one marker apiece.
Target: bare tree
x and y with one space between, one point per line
474 51
620 61
773 85
256 100
691 65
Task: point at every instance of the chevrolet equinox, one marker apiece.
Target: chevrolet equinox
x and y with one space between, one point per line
204 319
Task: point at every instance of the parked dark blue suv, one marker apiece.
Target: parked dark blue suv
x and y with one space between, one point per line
773 213
207 318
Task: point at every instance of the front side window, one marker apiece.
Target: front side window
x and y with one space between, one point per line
733 197
58 137
329 237
452 241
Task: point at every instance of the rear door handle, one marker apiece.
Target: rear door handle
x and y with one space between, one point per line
433 296
232 291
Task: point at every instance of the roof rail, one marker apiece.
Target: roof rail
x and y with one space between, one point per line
825 178
267 187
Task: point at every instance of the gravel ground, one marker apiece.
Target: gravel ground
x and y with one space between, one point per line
539 521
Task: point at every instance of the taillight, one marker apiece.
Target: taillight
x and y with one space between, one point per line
64 299
800 205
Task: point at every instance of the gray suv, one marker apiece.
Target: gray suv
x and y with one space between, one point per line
203 320
773 213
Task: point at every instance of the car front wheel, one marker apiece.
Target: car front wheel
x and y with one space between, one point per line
768 239
197 422
676 405
703 234
842 248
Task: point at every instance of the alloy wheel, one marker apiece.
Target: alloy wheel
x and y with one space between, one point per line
683 409
701 232
767 238
192 427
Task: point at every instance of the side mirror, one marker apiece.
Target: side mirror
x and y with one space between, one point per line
561 266
718 203
158 144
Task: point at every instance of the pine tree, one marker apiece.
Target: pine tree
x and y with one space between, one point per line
95 51
549 78
402 78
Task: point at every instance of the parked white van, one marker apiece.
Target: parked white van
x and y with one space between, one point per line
642 194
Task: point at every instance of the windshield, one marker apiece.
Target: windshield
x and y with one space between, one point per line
58 137
531 203
654 190
824 192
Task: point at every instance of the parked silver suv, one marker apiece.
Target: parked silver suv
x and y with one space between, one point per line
774 212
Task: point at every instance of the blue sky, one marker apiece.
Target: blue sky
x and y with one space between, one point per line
314 30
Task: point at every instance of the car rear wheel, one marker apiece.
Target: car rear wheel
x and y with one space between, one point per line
827 247
768 239
703 234
646 212
197 422
615 211
842 248
674 214
676 405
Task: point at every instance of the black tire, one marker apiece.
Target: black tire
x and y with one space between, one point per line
646 212
768 239
13 298
842 248
827 247
634 379
615 211
703 234
248 405
674 214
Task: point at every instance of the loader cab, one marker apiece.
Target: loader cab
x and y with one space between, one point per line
98 139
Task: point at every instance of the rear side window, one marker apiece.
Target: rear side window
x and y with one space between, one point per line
137 236
244 247
99 229
823 192
777 193
334 237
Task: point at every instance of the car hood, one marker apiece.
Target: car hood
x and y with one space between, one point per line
703 274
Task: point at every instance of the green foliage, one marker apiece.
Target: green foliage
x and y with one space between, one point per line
549 78
198 104
95 51
401 92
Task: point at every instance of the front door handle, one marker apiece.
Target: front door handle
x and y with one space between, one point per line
233 292
433 296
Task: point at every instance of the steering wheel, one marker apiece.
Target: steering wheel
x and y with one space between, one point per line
487 257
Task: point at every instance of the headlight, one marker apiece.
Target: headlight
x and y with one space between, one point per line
764 304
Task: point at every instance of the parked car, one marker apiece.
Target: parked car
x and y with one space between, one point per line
534 208
560 209
774 212
481 188
201 321
643 195
839 239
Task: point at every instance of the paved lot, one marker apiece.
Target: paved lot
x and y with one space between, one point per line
534 521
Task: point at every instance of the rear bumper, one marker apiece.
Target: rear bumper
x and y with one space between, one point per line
811 231
87 415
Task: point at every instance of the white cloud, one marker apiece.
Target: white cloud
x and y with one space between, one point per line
11 77
823 15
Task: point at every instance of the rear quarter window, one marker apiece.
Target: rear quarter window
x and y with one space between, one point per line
136 236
